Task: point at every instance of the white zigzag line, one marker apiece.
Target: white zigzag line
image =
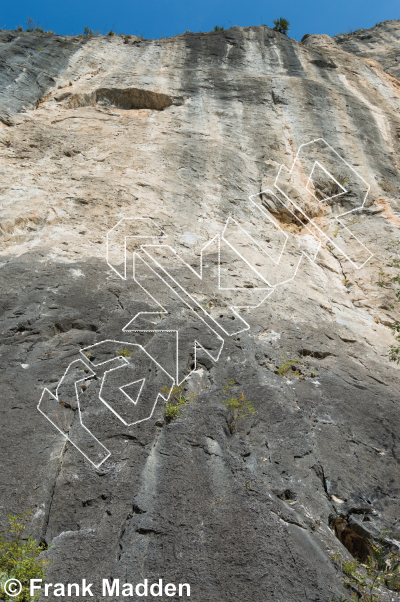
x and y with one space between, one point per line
125 329
55 397
200 276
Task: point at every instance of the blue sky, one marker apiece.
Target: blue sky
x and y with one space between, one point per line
156 18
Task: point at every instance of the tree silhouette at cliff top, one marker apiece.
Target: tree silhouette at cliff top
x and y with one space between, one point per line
281 25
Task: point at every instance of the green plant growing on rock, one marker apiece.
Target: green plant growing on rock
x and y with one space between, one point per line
287 367
124 352
394 351
342 180
281 25
218 28
177 399
354 220
393 262
87 31
330 188
31 25
19 557
239 406
381 281
381 570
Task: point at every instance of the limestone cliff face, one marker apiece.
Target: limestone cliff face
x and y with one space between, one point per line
193 132
380 43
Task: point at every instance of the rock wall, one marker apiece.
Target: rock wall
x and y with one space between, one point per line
184 130
381 43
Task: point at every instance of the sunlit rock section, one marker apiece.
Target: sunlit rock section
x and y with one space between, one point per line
380 43
273 255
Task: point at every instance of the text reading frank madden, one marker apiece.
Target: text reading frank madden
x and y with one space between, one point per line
110 587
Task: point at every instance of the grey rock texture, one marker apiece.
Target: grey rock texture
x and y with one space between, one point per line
29 64
184 130
379 43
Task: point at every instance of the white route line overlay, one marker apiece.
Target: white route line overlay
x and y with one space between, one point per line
330 175
196 343
195 302
124 362
55 397
319 229
159 233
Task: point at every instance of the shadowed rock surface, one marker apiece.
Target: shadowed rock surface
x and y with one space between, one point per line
184 130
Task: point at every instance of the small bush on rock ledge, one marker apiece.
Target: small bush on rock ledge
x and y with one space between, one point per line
239 407
19 557
281 25
31 25
373 579
177 399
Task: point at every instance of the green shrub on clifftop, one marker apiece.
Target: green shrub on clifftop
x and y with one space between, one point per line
281 25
